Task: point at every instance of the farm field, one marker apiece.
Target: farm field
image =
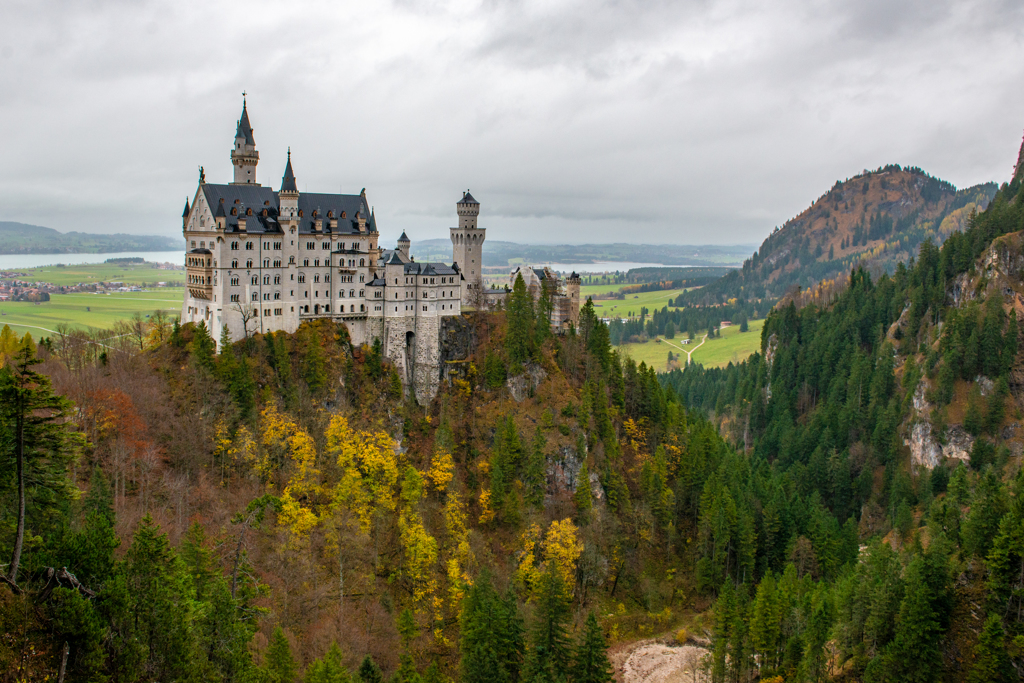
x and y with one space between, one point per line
732 346
140 274
86 310
615 308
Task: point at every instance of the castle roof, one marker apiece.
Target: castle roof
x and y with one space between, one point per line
288 180
413 268
244 130
467 198
261 199
184 214
404 237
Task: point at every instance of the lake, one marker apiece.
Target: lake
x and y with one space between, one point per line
16 261
602 266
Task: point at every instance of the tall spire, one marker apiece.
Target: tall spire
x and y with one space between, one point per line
185 213
244 130
244 156
288 180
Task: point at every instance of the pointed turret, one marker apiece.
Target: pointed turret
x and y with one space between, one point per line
184 214
244 156
244 130
288 179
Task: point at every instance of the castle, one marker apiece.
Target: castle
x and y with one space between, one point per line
259 261
563 294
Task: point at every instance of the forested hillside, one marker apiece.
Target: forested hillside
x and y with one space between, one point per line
876 219
20 238
279 512
883 485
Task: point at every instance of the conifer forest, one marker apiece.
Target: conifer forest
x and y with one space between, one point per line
845 505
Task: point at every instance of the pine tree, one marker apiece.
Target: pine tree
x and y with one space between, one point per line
991 663
519 337
41 443
280 664
369 672
491 644
314 362
590 663
328 669
550 653
534 477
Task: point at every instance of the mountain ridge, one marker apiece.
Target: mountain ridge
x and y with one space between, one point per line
25 238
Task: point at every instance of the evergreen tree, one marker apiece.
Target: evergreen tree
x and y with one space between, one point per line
202 346
314 361
590 663
550 652
491 644
520 338
542 324
40 445
327 669
280 664
369 672
991 662
534 479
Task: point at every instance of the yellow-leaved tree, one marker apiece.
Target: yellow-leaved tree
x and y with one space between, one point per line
368 463
303 494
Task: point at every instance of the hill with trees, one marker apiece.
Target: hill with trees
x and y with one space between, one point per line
21 238
281 511
876 219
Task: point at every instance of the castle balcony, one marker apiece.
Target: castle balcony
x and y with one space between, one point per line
199 273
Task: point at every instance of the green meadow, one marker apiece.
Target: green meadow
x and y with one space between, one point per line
624 308
732 346
140 274
86 310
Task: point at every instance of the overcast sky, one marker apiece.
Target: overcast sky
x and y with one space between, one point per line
697 122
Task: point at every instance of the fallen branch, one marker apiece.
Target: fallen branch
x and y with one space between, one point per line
14 586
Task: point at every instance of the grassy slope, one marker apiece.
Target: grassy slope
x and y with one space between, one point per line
104 309
101 272
730 346
614 308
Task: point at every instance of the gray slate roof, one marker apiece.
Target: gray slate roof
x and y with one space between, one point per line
259 198
414 268
467 198
244 130
288 180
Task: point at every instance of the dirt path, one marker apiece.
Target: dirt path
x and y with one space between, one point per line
690 352
653 661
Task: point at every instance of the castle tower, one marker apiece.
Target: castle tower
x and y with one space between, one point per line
289 194
467 249
244 156
403 246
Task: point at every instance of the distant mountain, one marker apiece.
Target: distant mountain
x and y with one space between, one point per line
21 238
878 218
498 253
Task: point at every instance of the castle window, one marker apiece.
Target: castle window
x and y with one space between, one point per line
316 278
343 214
234 281
248 246
193 244
248 212
362 262
234 210
330 214
255 296
277 263
277 296
361 293
316 262
266 297
362 278
325 245
255 280
362 308
327 278
277 279
234 246
424 308
302 277
277 311
341 293
277 245
266 263
248 263
266 279
300 216
310 245
234 297
351 292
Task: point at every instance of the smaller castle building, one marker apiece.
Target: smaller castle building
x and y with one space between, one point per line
564 294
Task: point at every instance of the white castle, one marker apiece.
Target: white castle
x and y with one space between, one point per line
260 261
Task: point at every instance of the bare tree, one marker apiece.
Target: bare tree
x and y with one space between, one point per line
161 324
134 329
248 315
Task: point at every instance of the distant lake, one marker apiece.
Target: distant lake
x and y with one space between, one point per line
603 266
16 261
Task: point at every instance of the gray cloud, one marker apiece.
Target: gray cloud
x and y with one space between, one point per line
694 121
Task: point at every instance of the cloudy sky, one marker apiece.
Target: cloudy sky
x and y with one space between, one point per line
572 121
